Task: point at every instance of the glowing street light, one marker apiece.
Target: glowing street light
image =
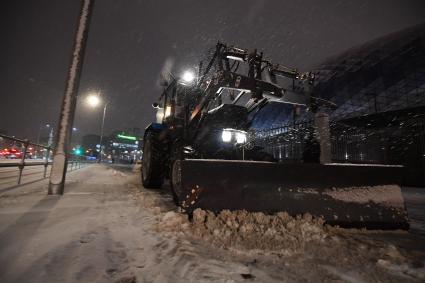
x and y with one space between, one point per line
93 100
188 77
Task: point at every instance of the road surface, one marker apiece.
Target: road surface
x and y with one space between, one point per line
108 228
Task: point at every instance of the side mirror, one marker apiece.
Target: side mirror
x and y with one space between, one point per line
155 105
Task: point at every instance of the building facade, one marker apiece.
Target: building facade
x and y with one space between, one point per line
379 91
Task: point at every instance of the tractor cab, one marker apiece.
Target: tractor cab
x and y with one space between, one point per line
176 103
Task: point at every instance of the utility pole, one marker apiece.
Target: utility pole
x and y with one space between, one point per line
50 141
64 129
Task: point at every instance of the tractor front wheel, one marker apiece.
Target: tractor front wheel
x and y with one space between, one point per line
152 165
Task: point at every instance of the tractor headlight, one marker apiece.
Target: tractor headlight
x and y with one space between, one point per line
240 137
234 136
226 135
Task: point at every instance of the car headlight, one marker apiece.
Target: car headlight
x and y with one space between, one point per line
235 136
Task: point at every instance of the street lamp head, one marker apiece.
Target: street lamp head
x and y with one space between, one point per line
188 77
93 100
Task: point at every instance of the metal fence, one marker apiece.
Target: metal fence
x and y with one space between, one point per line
353 144
18 154
400 143
285 143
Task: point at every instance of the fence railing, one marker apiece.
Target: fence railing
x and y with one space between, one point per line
285 143
22 153
351 144
400 143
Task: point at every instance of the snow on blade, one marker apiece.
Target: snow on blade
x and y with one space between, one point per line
389 195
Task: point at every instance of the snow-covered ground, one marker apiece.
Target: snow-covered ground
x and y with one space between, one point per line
107 228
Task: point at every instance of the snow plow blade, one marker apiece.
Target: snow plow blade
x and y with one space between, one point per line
347 195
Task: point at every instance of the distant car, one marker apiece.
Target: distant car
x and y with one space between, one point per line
11 153
29 154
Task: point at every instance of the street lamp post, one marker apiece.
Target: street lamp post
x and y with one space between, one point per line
39 132
94 100
47 126
101 132
73 137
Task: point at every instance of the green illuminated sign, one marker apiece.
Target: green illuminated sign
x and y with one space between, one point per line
127 137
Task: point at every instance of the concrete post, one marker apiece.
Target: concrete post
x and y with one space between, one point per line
64 129
321 123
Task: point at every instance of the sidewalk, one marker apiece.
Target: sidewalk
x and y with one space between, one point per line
69 238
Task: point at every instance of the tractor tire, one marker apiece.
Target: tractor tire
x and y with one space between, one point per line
173 184
176 155
152 162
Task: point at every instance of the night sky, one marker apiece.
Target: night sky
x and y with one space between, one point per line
130 41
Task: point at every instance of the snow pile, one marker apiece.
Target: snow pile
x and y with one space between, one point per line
152 202
278 233
174 222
